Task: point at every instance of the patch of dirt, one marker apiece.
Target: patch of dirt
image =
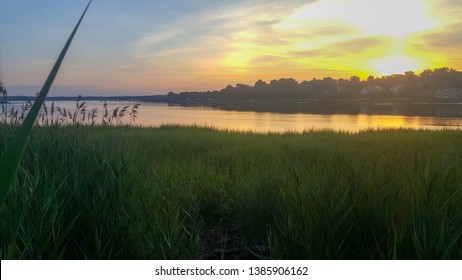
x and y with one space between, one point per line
225 242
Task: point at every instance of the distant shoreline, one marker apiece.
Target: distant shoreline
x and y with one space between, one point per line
424 107
162 99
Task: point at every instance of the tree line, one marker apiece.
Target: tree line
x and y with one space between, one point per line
407 85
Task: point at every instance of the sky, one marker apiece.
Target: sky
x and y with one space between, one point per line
153 47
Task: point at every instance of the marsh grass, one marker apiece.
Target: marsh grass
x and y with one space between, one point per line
81 115
190 193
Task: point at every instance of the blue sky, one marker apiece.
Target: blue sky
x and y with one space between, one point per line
150 47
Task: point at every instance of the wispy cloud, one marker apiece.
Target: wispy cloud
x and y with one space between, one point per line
449 38
199 45
348 47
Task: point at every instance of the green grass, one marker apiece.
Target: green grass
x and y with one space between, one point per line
191 193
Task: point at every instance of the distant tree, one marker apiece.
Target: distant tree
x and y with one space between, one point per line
432 80
329 86
440 78
261 85
425 75
260 89
243 90
274 89
411 82
229 90
355 86
289 87
306 89
370 80
355 79
342 87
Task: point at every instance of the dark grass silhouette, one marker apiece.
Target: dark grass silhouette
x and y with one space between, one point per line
107 192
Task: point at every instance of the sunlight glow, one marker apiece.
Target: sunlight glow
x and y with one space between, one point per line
370 17
395 64
377 20
350 31
238 60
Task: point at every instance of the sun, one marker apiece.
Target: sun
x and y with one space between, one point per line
395 64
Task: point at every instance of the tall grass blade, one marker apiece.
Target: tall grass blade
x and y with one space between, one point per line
15 148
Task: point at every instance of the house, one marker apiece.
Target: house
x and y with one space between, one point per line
449 93
370 89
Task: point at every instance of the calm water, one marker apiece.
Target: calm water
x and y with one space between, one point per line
156 114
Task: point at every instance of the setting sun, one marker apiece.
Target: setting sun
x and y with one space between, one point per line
395 64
